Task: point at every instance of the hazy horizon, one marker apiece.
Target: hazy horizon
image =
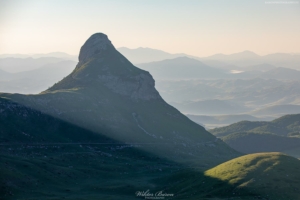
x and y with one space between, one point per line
296 53
198 28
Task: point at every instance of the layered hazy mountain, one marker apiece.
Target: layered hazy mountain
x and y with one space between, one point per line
182 68
13 65
258 97
146 55
60 55
248 58
29 74
236 60
280 135
212 106
106 93
35 80
212 121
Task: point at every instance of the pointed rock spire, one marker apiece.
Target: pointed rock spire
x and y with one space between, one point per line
94 46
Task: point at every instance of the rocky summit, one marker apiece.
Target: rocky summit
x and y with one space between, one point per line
108 95
101 64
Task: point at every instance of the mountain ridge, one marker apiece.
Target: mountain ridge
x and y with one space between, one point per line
106 93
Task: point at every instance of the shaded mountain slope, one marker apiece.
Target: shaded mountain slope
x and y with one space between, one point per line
46 158
146 55
106 93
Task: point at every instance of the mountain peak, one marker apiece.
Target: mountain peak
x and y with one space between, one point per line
95 45
102 68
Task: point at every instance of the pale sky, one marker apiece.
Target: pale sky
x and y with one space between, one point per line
195 27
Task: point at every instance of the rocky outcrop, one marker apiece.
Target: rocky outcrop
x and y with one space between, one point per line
94 46
136 87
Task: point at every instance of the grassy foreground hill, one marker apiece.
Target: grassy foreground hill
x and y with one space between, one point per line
272 175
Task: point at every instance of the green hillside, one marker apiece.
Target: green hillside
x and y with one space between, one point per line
284 126
272 175
236 127
279 135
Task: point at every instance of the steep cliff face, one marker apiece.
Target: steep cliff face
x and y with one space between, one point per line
107 94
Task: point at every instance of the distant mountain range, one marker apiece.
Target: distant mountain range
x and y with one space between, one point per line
281 74
61 55
261 67
36 80
213 121
254 94
245 55
14 65
188 68
212 106
182 68
248 58
277 110
241 59
147 55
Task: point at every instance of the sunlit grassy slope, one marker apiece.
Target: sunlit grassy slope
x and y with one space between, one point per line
272 175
